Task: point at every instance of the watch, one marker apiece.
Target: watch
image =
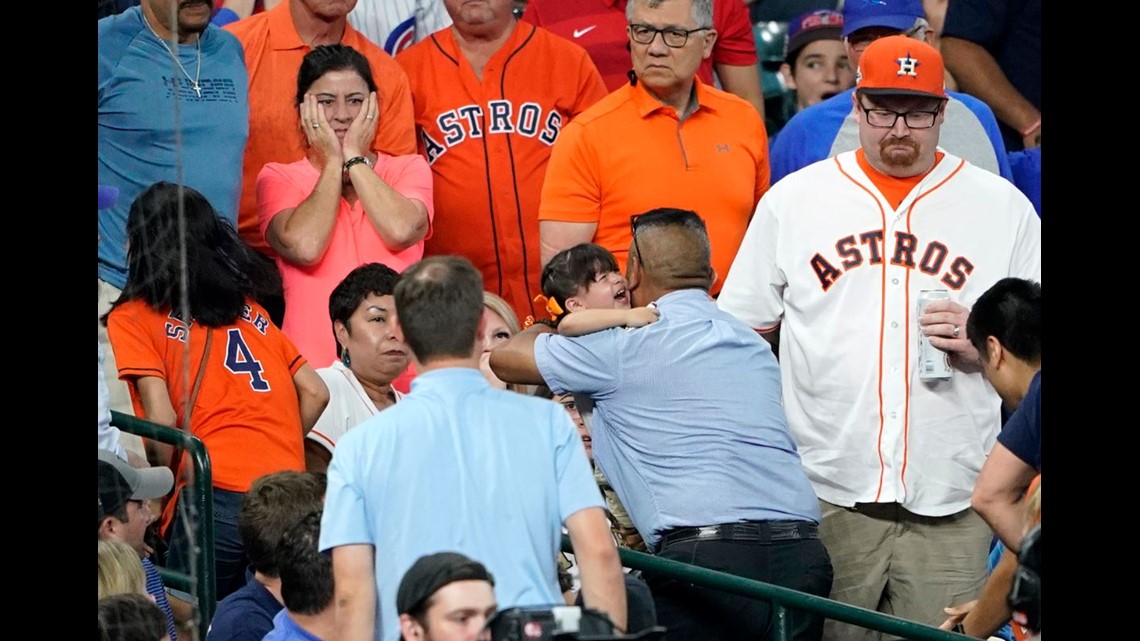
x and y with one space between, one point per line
356 160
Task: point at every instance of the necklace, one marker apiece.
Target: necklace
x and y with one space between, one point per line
197 74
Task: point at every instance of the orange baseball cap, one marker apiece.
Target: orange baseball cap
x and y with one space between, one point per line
900 65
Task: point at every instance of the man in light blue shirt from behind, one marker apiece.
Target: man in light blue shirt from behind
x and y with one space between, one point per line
461 466
690 430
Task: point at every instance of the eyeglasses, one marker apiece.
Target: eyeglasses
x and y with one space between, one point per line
886 119
672 36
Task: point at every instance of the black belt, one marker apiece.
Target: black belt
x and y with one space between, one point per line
755 532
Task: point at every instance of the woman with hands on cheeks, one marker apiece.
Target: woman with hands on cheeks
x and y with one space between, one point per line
342 205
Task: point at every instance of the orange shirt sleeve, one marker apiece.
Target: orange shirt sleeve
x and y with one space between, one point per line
763 167
136 354
572 191
396 133
289 354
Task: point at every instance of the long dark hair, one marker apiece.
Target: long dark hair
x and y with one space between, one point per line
221 271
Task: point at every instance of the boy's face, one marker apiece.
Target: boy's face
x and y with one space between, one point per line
606 292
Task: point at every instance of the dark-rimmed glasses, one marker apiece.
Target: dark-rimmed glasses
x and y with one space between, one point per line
886 119
671 36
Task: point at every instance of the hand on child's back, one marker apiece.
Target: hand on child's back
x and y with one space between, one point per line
642 316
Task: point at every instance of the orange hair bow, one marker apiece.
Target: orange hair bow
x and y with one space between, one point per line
552 307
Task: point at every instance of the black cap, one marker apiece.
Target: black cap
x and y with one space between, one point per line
430 573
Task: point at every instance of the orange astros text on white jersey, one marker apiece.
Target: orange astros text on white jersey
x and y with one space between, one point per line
831 263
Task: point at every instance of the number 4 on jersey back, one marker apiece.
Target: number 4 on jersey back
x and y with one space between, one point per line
239 360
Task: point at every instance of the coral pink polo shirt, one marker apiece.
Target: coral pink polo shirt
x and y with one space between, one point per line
354 242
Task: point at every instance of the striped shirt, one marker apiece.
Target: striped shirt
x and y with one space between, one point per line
155 588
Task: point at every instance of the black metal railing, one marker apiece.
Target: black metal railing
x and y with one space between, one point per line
781 598
201 583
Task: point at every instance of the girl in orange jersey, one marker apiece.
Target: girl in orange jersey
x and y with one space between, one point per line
200 354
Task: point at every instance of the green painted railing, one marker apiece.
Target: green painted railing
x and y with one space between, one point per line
781 598
201 584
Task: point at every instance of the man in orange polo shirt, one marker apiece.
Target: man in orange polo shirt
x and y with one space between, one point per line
275 42
664 140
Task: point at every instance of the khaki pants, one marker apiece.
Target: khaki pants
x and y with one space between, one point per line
888 559
120 397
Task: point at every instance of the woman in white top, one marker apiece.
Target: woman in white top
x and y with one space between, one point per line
370 357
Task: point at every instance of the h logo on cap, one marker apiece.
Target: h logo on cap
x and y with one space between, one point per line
908 66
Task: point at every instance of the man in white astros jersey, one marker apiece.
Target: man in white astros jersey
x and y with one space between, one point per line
830 272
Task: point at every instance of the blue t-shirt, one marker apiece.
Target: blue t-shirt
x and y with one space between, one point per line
828 128
245 615
688 424
460 466
1022 432
145 103
286 629
1010 30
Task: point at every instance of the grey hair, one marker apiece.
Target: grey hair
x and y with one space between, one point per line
702 10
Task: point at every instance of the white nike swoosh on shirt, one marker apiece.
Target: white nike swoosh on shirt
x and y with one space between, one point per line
578 33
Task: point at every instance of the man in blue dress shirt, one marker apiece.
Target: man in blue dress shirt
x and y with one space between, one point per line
690 430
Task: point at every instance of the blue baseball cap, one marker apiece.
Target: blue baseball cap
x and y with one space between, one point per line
893 14
107 196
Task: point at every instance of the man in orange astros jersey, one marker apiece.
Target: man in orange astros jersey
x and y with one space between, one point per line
490 97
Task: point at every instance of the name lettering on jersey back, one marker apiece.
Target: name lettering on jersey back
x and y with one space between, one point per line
907 250
459 125
177 329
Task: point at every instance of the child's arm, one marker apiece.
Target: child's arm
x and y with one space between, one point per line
586 321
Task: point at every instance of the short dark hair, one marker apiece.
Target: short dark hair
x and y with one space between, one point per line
325 58
130 617
685 265
360 283
274 503
1010 310
306 574
573 269
439 301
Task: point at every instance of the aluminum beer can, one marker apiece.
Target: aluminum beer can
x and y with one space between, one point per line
933 363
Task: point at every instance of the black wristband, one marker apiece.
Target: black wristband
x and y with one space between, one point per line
356 160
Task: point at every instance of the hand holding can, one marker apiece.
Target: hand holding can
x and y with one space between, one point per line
933 363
